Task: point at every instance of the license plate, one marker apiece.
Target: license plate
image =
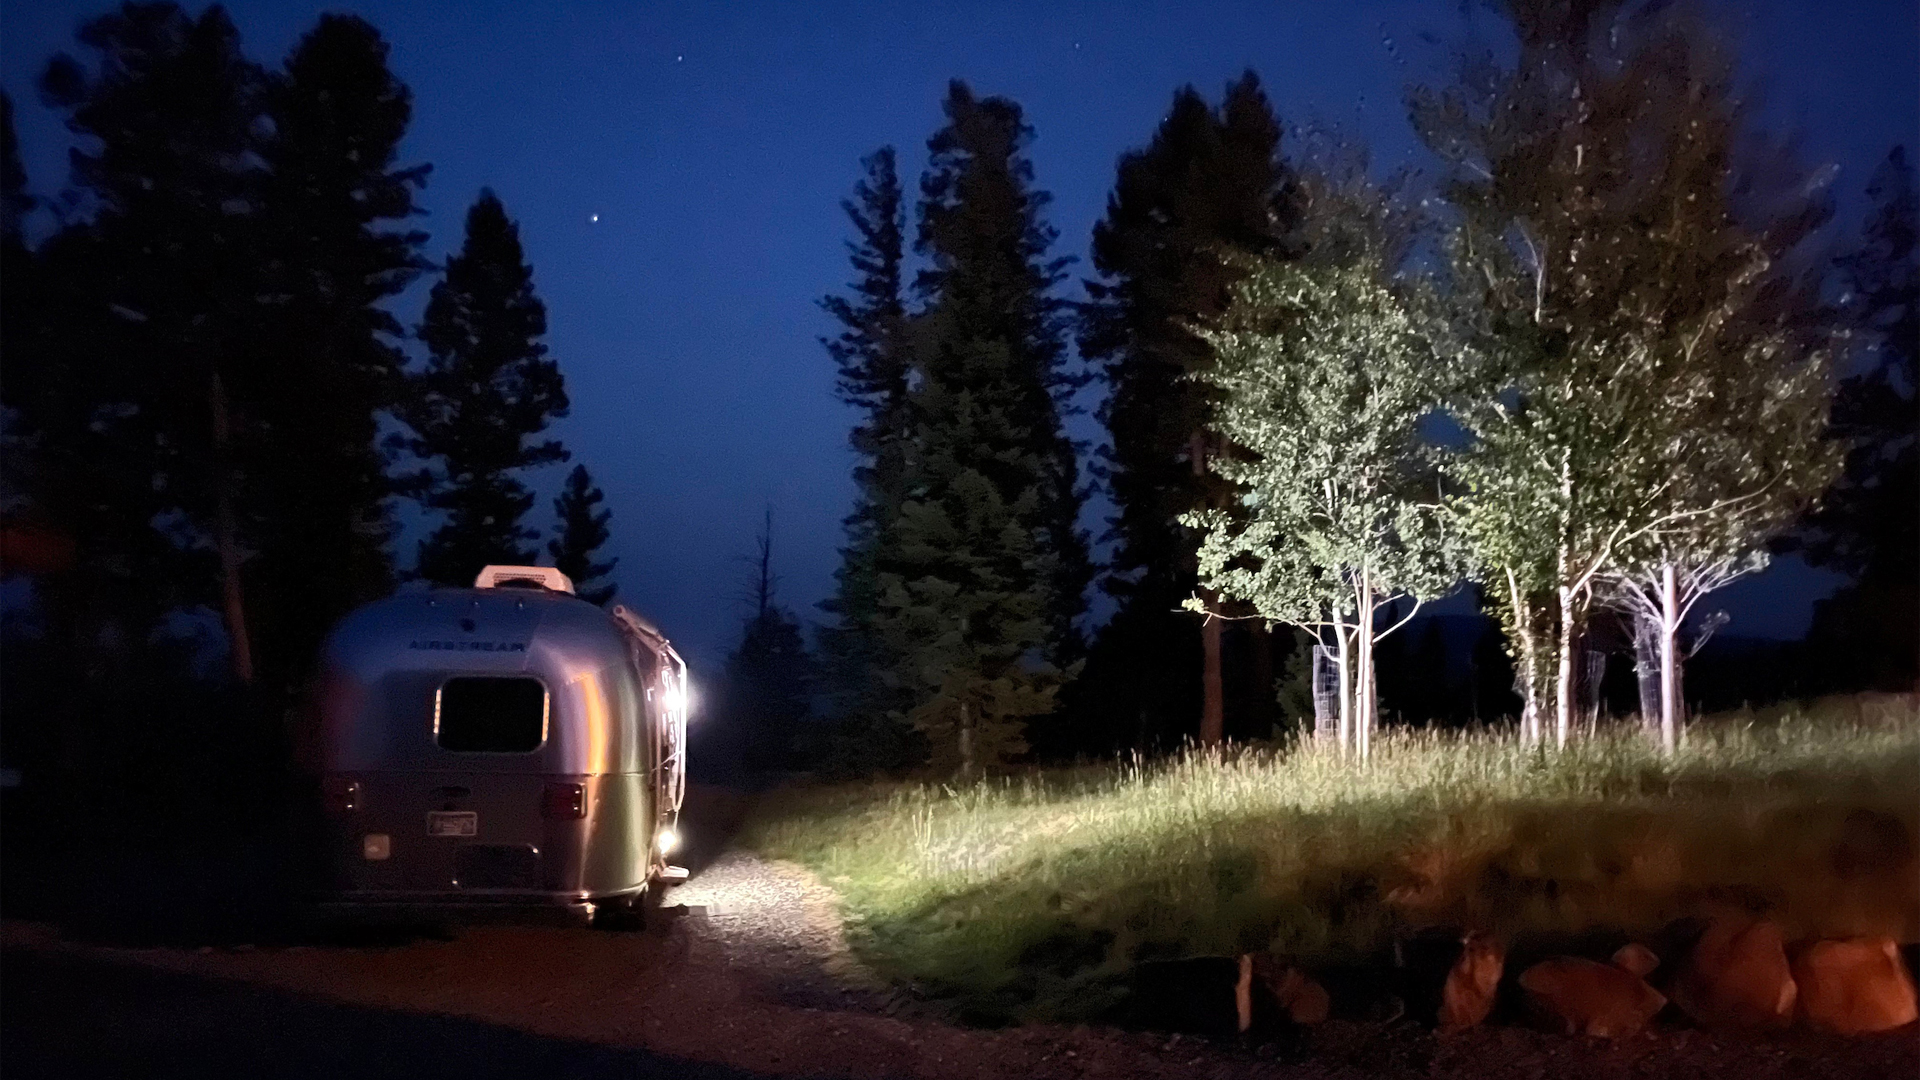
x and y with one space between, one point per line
453 823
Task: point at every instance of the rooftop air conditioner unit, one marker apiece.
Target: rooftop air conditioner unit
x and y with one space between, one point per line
523 577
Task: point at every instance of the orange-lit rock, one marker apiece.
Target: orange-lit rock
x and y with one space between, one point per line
1636 958
1585 997
1298 997
1854 986
1468 995
1737 976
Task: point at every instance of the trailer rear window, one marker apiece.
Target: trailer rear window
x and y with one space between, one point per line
486 715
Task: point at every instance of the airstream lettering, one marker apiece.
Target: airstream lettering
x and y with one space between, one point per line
508 744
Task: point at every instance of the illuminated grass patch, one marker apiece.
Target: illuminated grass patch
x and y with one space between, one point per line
1027 895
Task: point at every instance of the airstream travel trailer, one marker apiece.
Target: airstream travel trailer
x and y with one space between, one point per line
508 744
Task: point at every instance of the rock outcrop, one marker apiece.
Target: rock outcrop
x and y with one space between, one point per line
1586 997
1737 976
1468 994
1636 958
1854 986
1296 996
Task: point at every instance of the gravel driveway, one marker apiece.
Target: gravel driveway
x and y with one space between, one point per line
774 924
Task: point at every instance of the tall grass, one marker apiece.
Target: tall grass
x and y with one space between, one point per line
1023 895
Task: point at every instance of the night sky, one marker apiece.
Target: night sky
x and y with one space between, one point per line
714 142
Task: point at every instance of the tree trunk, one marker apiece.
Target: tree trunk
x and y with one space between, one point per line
1213 709
1364 712
1346 689
1213 713
966 742
1646 668
1365 706
226 538
1669 660
1529 662
1563 692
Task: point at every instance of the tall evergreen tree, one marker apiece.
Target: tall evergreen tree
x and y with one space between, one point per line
872 356
1866 527
580 531
993 327
489 390
147 307
986 570
16 260
332 209
15 201
1210 184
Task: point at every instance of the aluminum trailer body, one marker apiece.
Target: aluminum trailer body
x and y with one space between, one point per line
497 747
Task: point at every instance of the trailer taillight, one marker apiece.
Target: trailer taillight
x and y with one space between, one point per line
342 795
565 802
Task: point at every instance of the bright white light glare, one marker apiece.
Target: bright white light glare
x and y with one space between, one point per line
668 841
680 698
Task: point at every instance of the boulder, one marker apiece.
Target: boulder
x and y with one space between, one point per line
1585 997
1467 996
1636 958
1736 976
1297 997
1854 986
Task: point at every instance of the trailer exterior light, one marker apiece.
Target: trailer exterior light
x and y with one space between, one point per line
667 841
678 698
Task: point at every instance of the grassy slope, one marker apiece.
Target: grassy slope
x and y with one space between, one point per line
1024 896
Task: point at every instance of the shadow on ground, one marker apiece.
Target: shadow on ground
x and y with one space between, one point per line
74 1018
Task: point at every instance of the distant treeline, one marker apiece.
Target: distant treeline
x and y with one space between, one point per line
1600 368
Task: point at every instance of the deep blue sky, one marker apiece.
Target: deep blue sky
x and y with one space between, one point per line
715 141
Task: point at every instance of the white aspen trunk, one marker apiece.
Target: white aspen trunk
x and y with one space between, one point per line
1563 690
1346 687
1669 660
1363 646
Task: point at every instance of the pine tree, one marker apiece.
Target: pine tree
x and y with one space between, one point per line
1866 526
986 570
1210 184
872 356
333 206
16 260
488 389
15 201
146 315
579 533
